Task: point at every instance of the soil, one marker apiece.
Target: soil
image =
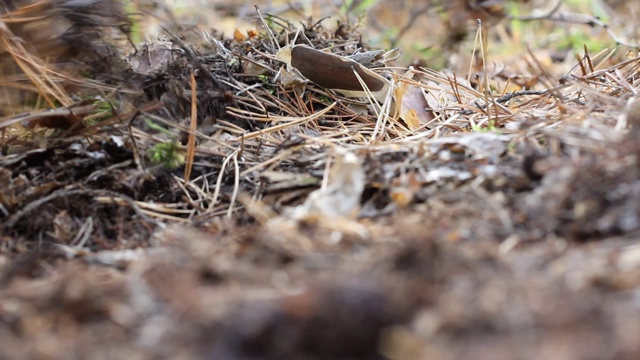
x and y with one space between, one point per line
192 198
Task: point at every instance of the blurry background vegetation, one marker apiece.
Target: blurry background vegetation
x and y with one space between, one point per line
438 34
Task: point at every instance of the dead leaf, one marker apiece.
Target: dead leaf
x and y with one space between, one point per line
252 33
239 36
152 58
413 105
341 197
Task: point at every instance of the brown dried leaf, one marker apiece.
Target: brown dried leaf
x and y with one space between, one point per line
413 105
239 36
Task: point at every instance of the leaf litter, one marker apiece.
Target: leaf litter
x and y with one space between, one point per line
185 202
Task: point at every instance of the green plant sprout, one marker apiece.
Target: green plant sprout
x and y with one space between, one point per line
103 110
490 127
167 154
153 126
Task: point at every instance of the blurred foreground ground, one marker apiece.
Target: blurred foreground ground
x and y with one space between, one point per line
498 218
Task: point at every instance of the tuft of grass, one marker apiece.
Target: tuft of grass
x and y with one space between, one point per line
578 40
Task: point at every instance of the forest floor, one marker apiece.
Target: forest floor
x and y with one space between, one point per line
187 198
